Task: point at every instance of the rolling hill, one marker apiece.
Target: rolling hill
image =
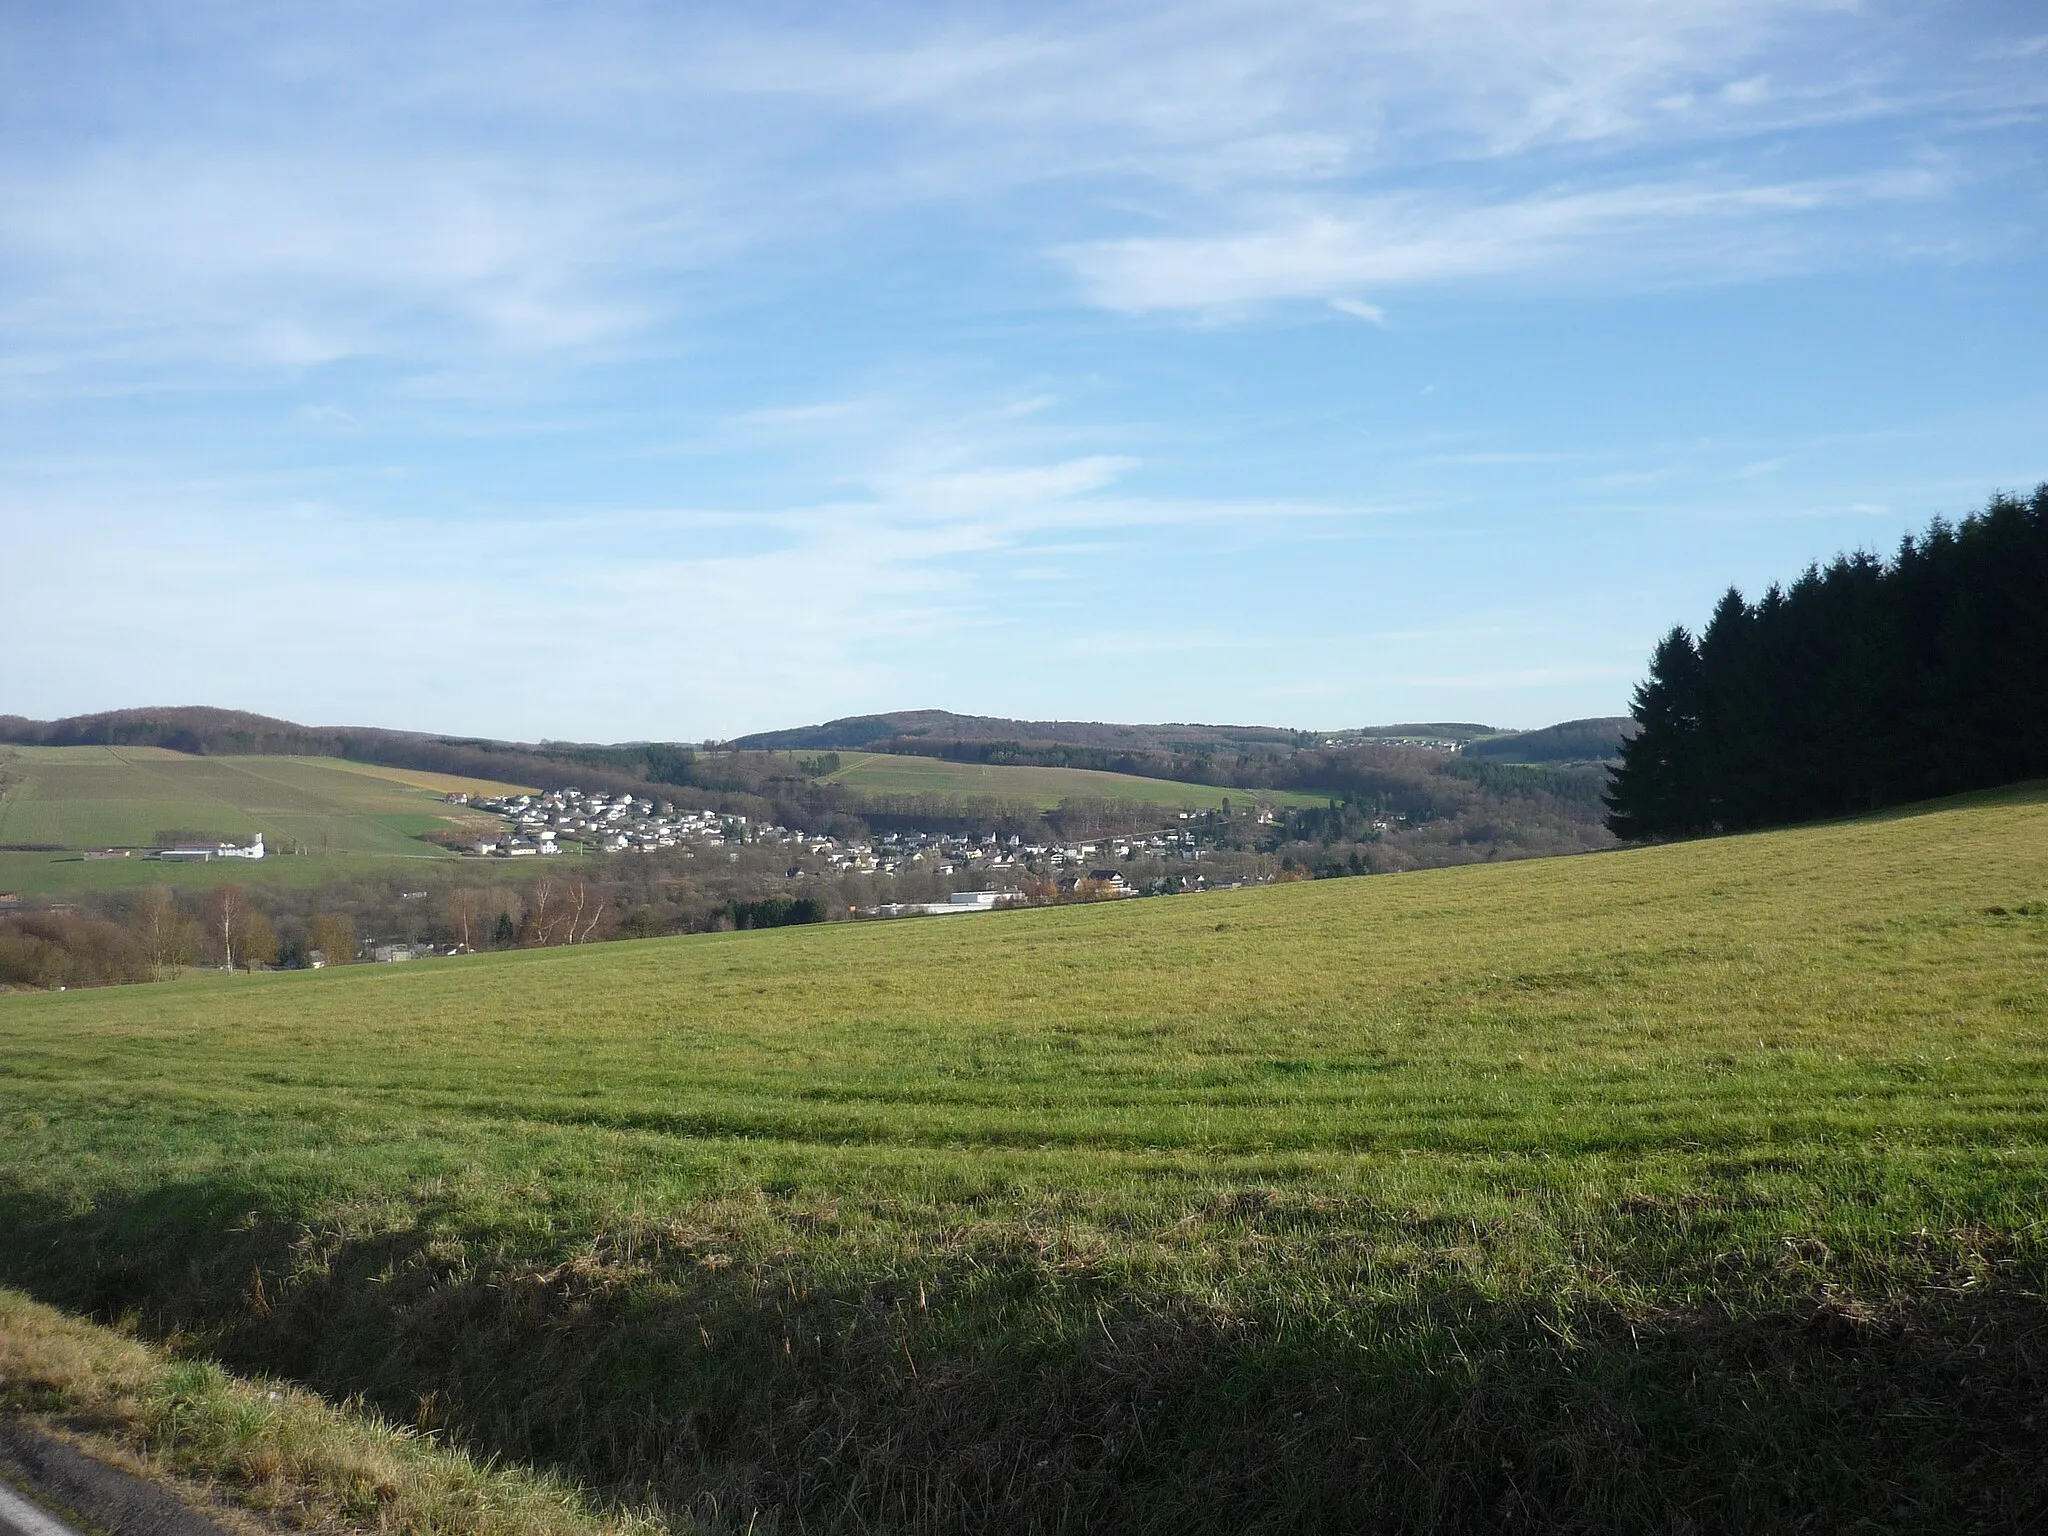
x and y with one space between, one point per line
926 732
888 774
56 802
940 725
1690 1187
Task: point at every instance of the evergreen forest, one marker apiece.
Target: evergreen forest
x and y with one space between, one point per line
1866 684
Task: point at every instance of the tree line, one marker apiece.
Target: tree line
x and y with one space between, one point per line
160 931
1866 684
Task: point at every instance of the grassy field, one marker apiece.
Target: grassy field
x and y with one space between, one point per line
348 814
883 773
1693 1188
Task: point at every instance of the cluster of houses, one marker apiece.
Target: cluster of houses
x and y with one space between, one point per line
536 825
540 825
1344 739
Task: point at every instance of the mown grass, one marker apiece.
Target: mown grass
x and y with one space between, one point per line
885 773
1695 1184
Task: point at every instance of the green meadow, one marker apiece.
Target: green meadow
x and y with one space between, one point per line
1699 1187
350 816
885 773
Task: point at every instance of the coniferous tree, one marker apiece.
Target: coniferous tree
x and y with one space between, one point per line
1866 684
1655 792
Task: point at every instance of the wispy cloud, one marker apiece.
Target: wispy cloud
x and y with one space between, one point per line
594 341
836 598
1324 248
1358 309
387 182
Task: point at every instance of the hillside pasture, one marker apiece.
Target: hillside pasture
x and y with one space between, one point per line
1701 1187
884 773
75 798
421 778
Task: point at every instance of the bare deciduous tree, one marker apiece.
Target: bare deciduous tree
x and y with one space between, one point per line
227 920
169 939
466 914
537 903
579 897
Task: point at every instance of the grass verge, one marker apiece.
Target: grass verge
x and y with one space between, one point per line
261 1455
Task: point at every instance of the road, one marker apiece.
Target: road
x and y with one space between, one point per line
37 1469
19 1517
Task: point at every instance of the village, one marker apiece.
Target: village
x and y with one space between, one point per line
991 869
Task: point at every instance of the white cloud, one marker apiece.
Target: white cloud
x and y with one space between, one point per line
1318 249
400 306
620 622
1372 314
390 182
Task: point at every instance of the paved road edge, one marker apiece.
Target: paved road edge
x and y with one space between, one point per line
91 1493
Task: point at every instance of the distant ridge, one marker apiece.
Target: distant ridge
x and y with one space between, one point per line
856 731
196 728
204 731
1571 741
1591 740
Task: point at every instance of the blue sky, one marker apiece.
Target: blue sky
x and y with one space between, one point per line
625 371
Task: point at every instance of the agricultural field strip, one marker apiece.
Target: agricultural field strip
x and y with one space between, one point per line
420 778
883 773
85 797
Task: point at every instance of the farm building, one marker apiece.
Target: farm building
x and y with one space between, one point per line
200 855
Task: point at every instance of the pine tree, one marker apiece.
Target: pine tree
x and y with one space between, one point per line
1868 684
1655 792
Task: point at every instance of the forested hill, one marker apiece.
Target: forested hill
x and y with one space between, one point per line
1868 684
1573 741
1145 749
902 729
1151 748
208 732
